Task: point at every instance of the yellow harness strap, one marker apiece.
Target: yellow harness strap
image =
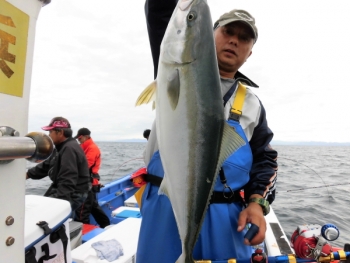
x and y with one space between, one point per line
138 195
238 102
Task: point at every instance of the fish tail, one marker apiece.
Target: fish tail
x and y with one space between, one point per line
185 258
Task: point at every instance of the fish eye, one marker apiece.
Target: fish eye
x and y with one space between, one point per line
191 16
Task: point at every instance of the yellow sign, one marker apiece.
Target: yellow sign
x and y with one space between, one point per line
14 26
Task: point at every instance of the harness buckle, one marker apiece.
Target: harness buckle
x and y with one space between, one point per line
235 114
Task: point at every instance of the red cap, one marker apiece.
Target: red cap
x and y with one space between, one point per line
57 123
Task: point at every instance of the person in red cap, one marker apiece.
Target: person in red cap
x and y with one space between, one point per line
93 156
67 166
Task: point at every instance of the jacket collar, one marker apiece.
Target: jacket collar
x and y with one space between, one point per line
60 145
251 83
87 143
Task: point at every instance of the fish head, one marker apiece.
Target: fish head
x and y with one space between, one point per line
189 24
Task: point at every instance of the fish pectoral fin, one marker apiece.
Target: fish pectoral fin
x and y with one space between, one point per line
173 88
148 94
231 142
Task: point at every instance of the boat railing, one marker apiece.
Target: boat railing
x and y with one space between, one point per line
114 194
35 146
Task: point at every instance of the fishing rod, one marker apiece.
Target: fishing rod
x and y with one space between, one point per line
138 158
283 191
305 188
312 187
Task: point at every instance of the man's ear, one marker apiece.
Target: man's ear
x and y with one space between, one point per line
251 52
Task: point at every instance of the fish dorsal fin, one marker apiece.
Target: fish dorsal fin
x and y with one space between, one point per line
231 142
148 94
173 88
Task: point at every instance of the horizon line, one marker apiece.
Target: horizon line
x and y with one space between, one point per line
273 142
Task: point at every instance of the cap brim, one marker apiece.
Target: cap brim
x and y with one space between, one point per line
47 128
76 136
228 21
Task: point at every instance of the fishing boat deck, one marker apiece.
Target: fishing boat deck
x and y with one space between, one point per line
126 233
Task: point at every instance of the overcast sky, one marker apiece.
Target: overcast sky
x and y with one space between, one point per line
92 59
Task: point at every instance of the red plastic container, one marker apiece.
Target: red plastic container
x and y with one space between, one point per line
87 228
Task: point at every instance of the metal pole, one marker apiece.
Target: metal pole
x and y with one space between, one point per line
35 147
16 147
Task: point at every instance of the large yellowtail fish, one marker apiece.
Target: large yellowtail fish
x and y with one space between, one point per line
193 136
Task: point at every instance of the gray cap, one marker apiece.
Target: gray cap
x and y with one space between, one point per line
238 15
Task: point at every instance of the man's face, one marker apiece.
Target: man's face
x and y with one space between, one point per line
56 136
82 139
234 43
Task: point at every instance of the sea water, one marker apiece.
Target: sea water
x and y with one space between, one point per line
312 188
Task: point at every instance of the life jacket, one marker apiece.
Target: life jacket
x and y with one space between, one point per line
138 180
157 212
138 177
237 166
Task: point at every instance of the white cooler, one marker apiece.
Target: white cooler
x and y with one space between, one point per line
126 233
51 246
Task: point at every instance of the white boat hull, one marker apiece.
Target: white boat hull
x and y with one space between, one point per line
18 22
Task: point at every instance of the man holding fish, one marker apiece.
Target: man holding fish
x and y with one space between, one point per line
209 141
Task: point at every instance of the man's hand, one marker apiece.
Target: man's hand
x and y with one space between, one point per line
253 214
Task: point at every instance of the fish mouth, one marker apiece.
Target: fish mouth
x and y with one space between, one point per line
178 62
178 53
183 62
